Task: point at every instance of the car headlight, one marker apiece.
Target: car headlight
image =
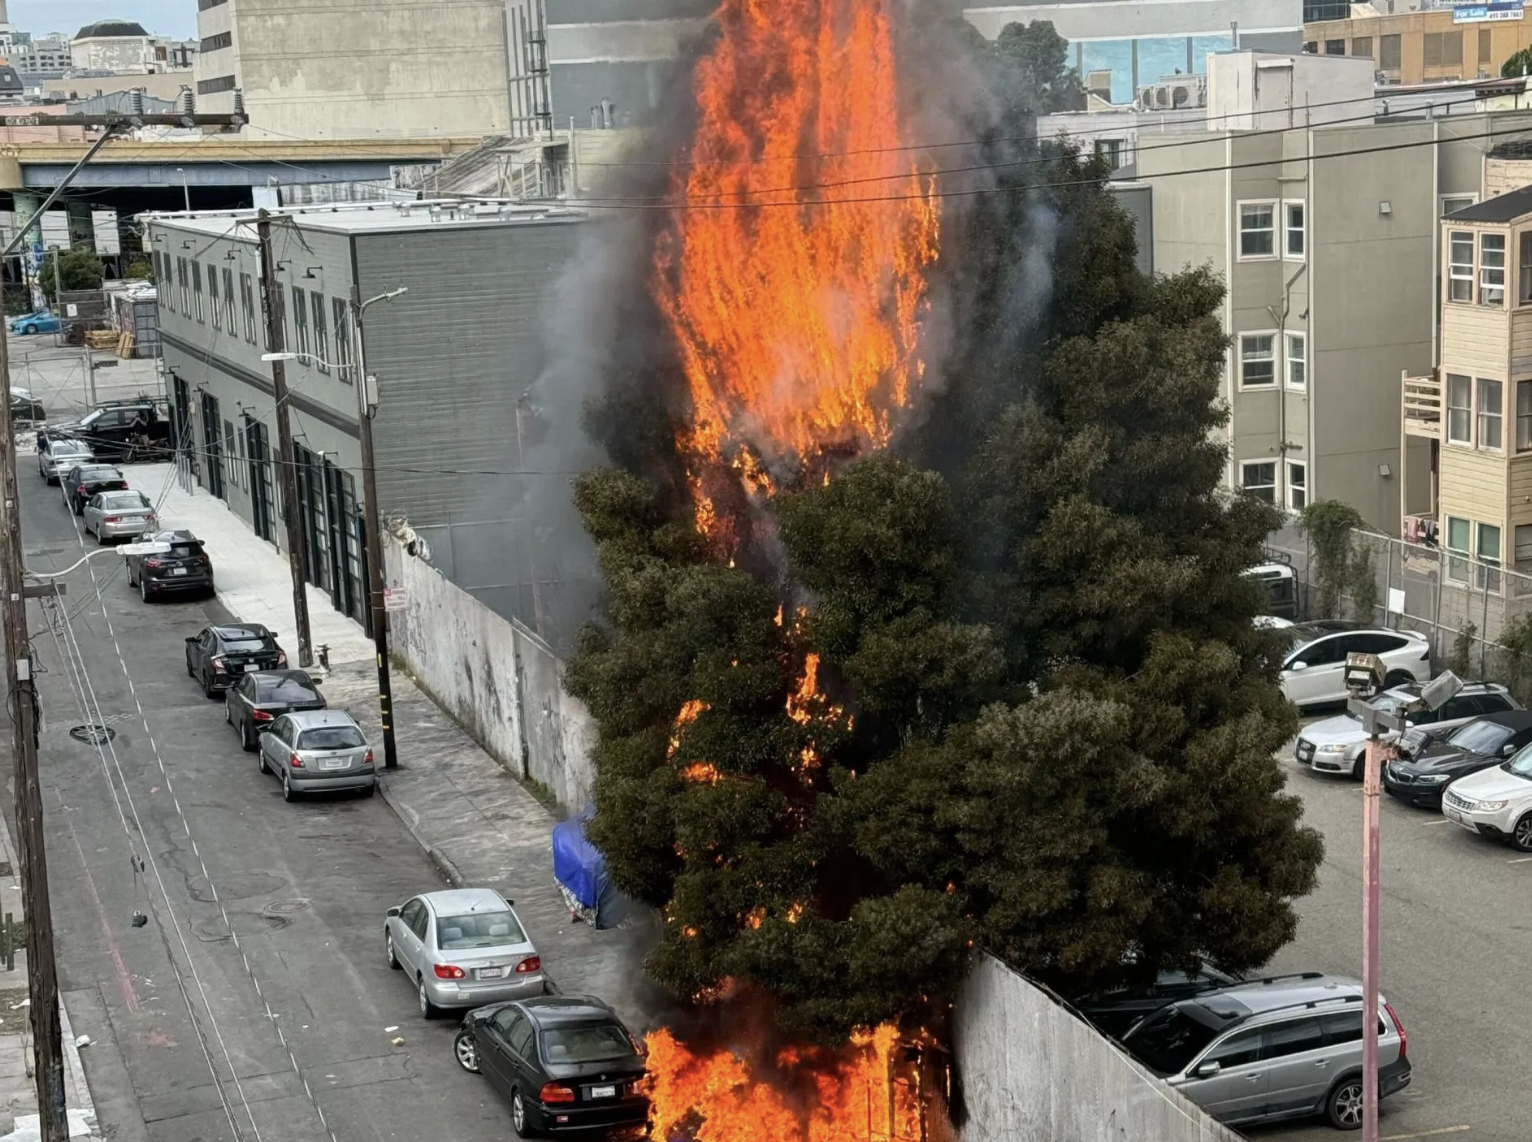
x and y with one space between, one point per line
1491 806
1336 749
1431 778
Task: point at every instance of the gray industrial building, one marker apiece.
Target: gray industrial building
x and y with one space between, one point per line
453 360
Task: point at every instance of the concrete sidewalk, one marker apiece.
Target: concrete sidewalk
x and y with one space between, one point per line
472 817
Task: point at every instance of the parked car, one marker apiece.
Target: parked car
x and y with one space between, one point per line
118 515
462 947
81 481
317 751
1273 1049
565 1062
257 700
39 321
1478 745
58 454
134 429
25 408
1281 586
1113 1012
1314 670
185 568
1495 802
217 655
1339 744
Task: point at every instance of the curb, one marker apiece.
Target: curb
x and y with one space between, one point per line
440 859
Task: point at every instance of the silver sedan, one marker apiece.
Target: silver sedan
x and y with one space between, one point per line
118 515
462 947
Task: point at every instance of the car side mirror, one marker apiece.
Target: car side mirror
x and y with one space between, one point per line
1300 665
191 638
1207 1070
1507 749
393 911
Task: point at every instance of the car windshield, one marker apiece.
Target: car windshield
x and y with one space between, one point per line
185 550
1481 737
590 1043
92 418
1521 764
246 645
63 448
89 475
478 930
332 737
122 500
287 690
1168 1041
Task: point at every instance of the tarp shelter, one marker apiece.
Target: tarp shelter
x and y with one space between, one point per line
580 870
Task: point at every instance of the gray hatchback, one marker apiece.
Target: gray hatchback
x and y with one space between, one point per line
317 751
1271 1049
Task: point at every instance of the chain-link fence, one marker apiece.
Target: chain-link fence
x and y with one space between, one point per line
1476 614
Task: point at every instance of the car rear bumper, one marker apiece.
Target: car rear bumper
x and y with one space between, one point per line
341 781
1395 1077
562 1119
175 585
446 993
124 530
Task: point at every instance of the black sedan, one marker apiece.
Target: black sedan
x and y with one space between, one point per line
83 481
184 569
219 655
258 699
565 1062
1480 744
1114 1012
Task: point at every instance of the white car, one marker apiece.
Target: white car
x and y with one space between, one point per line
1314 671
1337 745
1495 802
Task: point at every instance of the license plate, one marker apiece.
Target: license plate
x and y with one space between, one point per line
178 570
1454 815
334 763
490 973
603 1092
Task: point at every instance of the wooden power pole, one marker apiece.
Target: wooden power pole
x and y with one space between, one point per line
21 687
288 476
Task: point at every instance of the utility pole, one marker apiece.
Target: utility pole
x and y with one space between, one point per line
287 476
58 280
366 406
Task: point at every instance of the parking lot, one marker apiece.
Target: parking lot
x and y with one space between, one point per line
1454 920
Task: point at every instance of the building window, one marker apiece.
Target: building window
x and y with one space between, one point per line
228 297
1523 416
1389 52
1459 409
247 305
321 339
1257 238
1257 365
1361 46
212 297
1490 412
1523 540
1292 229
1335 47
196 272
183 290
1460 265
1491 269
1111 151
1486 47
300 322
1455 202
217 43
1297 486
1524 269
1487 574
163 280
1442 49
342 314
1259 479
1457 549
1297 361
214 86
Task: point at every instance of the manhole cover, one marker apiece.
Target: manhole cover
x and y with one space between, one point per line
285 907
93 734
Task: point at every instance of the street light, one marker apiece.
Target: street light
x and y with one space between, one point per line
1364 677
121 549
185 190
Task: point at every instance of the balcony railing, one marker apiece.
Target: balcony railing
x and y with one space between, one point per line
1424 405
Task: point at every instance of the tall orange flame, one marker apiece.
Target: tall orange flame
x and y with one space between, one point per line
797 325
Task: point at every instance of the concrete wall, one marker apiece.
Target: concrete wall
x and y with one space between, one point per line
497 679
112 53
1033 1072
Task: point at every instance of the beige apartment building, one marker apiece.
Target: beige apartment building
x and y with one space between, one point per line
1422 47
1327 238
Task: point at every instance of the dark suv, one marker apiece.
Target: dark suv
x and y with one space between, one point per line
137 429
220 655
185 569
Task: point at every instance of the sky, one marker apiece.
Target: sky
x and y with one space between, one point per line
176 18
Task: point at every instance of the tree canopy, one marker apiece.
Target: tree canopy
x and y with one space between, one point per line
78 269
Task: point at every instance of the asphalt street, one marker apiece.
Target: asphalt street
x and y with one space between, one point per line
255 1003
1453 919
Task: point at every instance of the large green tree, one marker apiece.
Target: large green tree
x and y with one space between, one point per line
77 269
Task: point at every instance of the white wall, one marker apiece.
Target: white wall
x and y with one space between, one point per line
1031 1071
1262 91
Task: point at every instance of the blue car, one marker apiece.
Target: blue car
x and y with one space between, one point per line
39 322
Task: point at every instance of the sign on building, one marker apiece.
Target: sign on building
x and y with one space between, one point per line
56 229
1480 13
104 224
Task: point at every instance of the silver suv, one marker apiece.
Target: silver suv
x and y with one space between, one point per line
1271 1049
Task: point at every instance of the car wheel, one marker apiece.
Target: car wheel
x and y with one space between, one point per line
78 505
1521 834
228 713
287 790
521 1121
466 1051
1343 1108
250 741
207 687
144 594
1359 767
428 1010
388 950
260 762
1397 678
29 329
100 539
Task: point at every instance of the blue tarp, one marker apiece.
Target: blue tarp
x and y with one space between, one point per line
580 870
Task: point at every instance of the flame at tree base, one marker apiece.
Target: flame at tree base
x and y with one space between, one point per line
865 1092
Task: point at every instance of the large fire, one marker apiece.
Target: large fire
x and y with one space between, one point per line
797 324
793 276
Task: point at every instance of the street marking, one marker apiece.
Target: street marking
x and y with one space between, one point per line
1425 1133
1519 860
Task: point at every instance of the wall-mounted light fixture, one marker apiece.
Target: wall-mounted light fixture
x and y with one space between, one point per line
309 274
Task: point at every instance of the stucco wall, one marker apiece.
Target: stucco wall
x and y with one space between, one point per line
1033 1072
497 679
